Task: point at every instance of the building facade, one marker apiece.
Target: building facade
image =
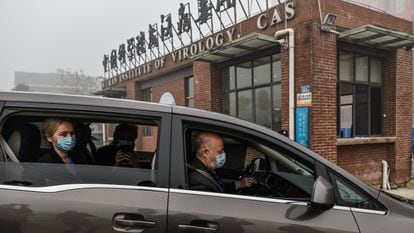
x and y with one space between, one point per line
62 82
400 8
343 91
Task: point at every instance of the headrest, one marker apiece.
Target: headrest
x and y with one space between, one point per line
83 135
25 142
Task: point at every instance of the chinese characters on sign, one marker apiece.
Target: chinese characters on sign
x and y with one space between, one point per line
204 11
184 20
122 54
166 31
226 4
304 100
131 49
302 126
140 49
153 37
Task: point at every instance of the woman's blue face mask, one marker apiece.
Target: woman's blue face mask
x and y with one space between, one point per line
66 144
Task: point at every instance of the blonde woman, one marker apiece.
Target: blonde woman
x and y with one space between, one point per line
61 134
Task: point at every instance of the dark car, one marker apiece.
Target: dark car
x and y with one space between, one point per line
296 190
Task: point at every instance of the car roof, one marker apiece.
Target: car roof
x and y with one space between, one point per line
37 97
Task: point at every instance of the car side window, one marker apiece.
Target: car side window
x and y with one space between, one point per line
277 173
105 152
350 196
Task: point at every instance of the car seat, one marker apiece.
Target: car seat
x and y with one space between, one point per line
25 142
84 145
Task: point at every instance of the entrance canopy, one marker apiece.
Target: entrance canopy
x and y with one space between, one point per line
377 37
242 46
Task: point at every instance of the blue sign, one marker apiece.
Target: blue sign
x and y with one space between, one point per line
305 88
302 126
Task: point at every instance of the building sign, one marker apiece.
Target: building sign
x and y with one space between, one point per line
146 51
263 21
305 88
302 126
304 99
167 98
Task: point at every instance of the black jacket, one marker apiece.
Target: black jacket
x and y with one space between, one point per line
53 157
65 175
201 178
105 156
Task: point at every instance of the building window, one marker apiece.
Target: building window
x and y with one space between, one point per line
147 96
360 95
251 91
189 92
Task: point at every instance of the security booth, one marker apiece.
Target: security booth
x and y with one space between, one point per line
337 77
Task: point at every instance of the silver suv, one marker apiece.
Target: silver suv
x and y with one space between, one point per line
295 190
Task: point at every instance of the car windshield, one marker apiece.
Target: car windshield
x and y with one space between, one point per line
292 165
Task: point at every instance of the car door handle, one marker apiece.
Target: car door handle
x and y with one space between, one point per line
196 229
138 225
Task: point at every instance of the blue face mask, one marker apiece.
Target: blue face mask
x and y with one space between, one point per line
66 144
125 143
125 146
220 160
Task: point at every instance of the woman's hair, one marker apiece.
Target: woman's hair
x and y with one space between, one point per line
51 124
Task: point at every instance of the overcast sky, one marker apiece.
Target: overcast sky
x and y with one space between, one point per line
44 35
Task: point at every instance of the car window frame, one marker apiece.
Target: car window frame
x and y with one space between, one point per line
164 127
334 176
178 167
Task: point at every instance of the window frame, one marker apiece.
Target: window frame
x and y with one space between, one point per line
354 82
189 96
116 113
182 122
253 87
147 96
335 176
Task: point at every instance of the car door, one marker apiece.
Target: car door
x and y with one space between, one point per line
196 211
36 197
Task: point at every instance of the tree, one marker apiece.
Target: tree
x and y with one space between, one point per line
21 87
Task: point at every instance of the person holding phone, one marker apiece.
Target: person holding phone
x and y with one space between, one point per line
120 151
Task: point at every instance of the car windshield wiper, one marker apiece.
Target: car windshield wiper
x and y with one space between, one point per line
18 182
398 197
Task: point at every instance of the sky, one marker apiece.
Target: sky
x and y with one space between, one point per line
45 35
42 36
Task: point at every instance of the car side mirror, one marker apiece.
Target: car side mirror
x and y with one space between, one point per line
322 195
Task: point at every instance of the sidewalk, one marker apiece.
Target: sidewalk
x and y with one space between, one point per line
407 192
404 192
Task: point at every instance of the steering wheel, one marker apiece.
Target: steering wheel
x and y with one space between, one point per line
260 187
249 171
